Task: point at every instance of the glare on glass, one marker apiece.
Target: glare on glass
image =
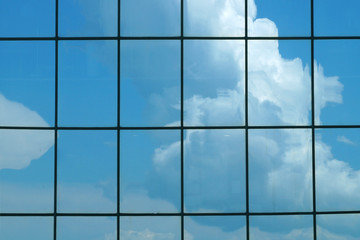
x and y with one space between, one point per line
280 167
336 18
158 227
27 80
280 18
88 18
214 82
14 228
279 82
150 83
87 83
299 227
215 227
337 169
338 226
26 171
89 228
214 18
27 18
214 171
87 171
150 18
337 82
150 171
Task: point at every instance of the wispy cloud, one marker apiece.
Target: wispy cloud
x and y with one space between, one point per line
345 140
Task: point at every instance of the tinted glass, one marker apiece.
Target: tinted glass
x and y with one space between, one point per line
333 18
150 83
280 166
87 83
215 227
26 171
336 82
338 226
214 83
87 171
150 171
214 171
27 80
89 228
279 82
337 169
150 18
87 18
27 18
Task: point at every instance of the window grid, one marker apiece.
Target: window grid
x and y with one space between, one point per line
182 127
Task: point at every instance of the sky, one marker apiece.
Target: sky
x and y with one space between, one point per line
280 174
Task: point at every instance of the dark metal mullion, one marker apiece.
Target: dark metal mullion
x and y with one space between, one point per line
313 121
182 225
56 114
246 124
118 124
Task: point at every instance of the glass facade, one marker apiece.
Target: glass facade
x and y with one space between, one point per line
179 119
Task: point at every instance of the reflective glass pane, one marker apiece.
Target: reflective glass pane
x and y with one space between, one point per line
150 83
338 226
27 18
333 17
26 171
89 228
150 18
281 227
87 83
279 82
280 167
214 174
27 79
280 18
150 171
87 171
15 228
215 228
214 82
87 18
337 169
337 76
214 18
157 228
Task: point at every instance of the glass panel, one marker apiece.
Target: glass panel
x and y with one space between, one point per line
337 169
214 171
15 228
26 171
215 228
150 171
280 167
27 79
27 18
87 83
337 76
150 83
281 227
156 228
279 82
89 228
150 18
214 18
214 82
333 17
280 18
339 226
87 163
88 18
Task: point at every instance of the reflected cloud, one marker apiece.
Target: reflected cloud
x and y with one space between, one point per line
19 147
345 140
